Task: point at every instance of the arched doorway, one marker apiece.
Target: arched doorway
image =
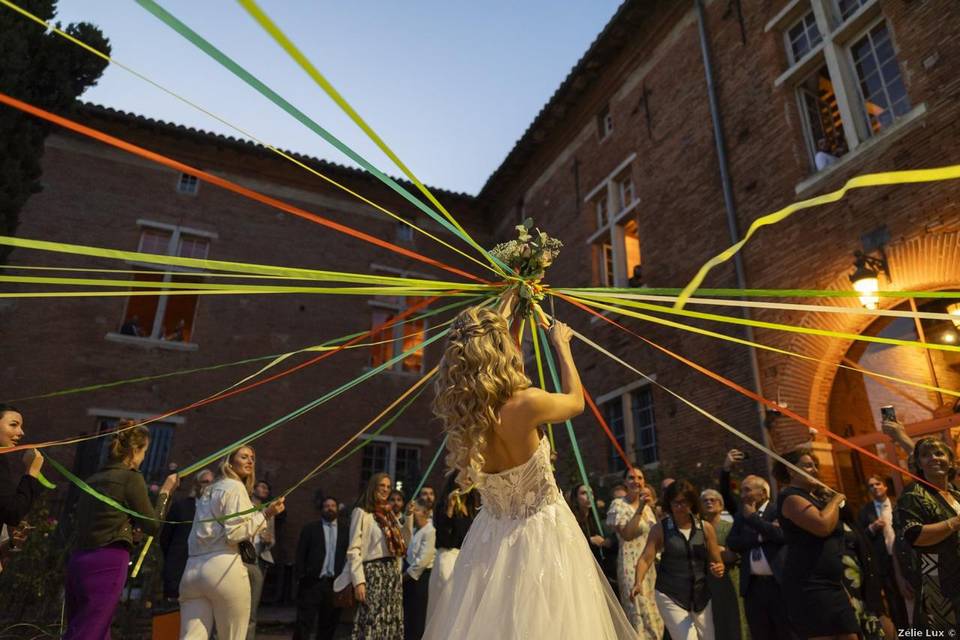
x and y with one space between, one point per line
856 398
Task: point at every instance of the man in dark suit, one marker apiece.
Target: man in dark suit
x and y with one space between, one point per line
757 537
321 554
876 521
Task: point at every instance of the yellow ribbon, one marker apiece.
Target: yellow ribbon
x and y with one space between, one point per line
55 29
779 327
757 345
870 180
291 49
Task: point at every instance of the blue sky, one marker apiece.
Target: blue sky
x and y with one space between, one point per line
449 85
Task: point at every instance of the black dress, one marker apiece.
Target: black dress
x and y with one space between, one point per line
817 603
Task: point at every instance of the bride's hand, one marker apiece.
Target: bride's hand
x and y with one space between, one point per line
508 302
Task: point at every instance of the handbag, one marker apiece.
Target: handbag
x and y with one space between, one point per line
344 599
248 553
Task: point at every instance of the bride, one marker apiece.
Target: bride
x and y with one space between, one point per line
525 569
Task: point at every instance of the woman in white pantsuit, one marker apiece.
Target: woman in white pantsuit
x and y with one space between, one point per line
215 586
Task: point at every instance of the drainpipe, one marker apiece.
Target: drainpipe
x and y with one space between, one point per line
730 207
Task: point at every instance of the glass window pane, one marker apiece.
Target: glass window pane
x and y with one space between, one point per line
141 310
382 349
822 118
879 90
193 247
613 413
155 241
643 422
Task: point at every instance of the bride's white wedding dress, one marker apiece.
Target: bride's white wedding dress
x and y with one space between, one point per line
525 569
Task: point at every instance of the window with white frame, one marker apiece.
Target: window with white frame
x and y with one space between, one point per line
802 37
613 414
169 317
604 122
630 415
644 426
188 184
616 241
844 70
399 338
398 457
154 465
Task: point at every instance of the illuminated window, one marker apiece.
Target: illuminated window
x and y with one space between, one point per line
845 72
398 338
616 241
168 317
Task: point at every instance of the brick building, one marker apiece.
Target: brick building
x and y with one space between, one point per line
624 160
623 165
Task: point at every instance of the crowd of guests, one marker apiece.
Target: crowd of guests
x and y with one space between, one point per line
731 562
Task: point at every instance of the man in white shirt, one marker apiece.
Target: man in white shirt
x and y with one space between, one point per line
416 578
321 554
757 537
823 158
876 521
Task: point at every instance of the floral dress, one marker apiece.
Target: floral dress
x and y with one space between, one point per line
642 610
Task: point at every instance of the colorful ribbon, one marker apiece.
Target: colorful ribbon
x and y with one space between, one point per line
55 29
225 184
870 180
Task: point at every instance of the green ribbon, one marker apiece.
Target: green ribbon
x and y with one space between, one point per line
767 293
329 343
548 353
426 474
308 407
198 41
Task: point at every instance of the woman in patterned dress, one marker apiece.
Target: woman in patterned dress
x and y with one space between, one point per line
632 517
373 564
928 518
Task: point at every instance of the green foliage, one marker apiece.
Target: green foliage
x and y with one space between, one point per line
43 69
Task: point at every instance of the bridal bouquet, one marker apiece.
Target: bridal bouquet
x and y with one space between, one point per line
529 256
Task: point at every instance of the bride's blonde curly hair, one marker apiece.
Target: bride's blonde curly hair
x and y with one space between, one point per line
481 368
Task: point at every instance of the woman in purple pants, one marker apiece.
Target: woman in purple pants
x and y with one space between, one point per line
97 569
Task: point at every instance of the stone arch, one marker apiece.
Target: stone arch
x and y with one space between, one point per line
928 262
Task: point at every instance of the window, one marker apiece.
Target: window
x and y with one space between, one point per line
882 94
803 36
154 465
604 122
608 276
613 414
398 338
168 318
399 457
404 233
844 70
616 242
625 191
849 7
188 184
822 117
644 426
602 209
630 415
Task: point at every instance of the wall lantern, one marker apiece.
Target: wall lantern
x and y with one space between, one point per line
954 310
866 277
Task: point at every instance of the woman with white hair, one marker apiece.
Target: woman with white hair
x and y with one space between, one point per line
728 617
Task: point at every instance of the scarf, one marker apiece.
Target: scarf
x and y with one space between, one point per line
390 527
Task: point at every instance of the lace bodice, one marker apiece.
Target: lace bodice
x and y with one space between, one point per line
522 491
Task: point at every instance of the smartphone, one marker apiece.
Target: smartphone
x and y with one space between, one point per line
888 413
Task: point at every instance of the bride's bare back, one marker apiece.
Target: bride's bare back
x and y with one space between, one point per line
515 439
